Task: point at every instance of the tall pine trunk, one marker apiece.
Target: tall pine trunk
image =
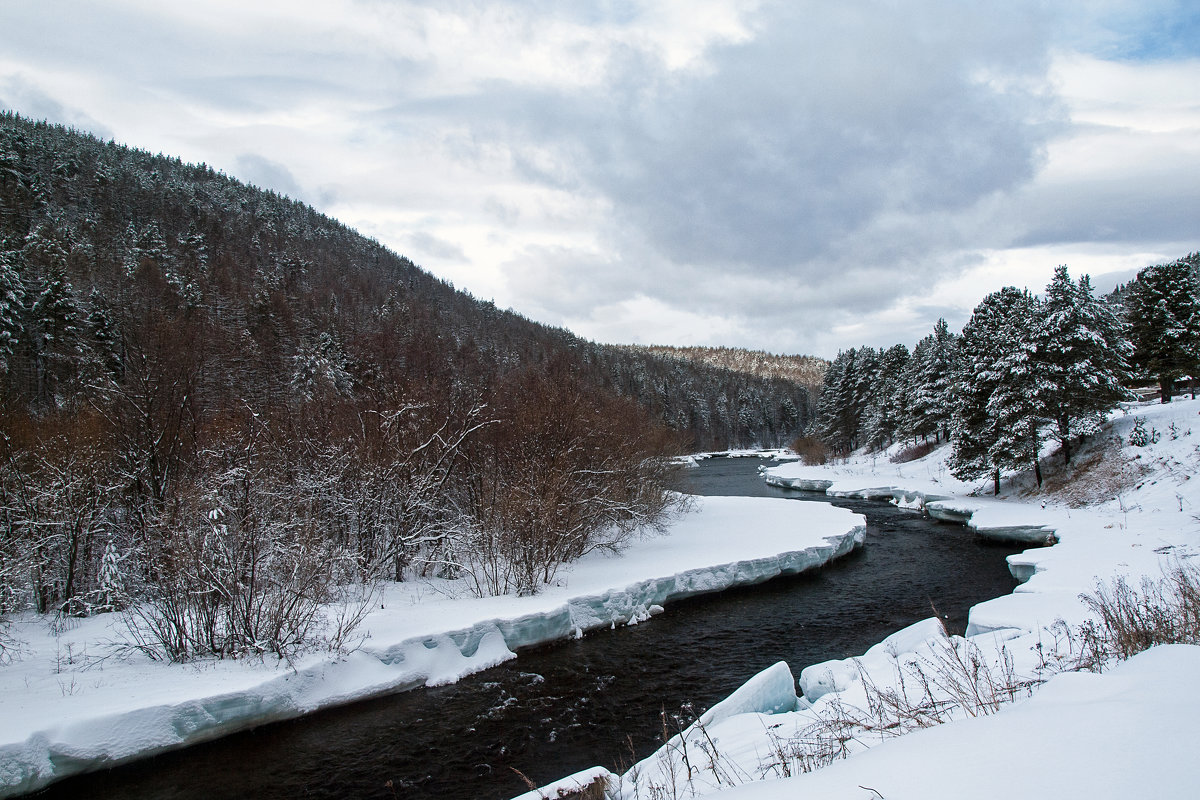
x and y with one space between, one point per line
1037 464
1064 436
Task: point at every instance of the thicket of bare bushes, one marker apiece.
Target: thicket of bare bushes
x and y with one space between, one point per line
562 473
811 450
272 519
1127 619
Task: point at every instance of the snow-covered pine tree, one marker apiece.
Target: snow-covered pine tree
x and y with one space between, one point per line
112 595
320 368
12 301
104 336
837 419
884 414
827 411
1083 356
1013 404
863 391
1000 319
1163 311
55 319
930 383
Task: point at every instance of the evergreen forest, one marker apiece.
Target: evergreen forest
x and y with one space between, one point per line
1024 372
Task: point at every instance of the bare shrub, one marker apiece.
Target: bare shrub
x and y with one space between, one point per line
399 510
913 452
811 450
954 679
57 497
566 471
1129 620
689 756
596 790
957 679
243 567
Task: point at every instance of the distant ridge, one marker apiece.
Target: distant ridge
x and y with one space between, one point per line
808 371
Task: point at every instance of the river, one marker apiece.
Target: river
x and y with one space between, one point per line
599 700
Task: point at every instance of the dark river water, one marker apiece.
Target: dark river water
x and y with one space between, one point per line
564 707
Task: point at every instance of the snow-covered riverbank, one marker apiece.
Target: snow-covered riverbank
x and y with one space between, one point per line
65 708
1123 509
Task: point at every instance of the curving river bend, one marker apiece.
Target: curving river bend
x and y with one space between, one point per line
568 706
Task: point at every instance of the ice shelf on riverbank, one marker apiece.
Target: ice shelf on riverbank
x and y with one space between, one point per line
1126 733
1120 510
64 710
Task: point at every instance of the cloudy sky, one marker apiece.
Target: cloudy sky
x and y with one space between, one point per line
798 176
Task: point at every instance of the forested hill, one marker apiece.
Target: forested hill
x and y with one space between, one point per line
112 256
808 371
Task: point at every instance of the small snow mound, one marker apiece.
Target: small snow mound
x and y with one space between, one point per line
837 675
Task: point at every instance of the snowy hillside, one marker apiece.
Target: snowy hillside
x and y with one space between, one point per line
1003 710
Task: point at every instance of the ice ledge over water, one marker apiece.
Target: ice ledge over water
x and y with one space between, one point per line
990 519
147 708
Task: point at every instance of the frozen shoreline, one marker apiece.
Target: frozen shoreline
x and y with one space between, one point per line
1128 511
63 713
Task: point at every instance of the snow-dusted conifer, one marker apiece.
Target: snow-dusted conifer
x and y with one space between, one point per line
830 410
12 299
56 322
1013 404
1000 319
1083 357
1163 309
930 382
884 414
111 580
843 397
864 390
321 367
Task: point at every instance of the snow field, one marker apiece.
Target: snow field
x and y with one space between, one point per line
65 708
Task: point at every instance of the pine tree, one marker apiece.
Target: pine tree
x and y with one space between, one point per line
1013 404
112 593
1000 320
863 391
836 410
1163 310
105 337
930 383
884 415
12 301
55 323
1083 359
827 411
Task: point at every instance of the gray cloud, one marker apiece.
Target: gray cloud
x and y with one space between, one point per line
426 245
20 95
268 174
829 120
802 172
1158 205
